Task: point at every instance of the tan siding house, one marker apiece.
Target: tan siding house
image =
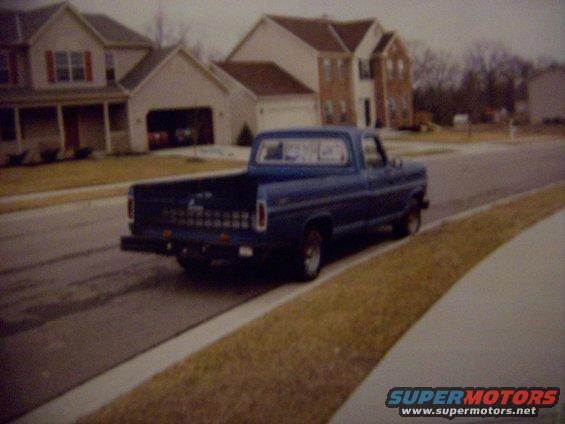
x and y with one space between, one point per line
344 63
70 80
546 95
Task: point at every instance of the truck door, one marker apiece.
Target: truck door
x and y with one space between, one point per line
381 179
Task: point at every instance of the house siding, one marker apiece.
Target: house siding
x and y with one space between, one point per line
271 43
66 33
546 96
126 58
178 84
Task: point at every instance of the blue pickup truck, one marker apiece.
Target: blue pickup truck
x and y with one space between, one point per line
303 188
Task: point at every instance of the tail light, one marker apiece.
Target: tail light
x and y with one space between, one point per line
261 215
131 206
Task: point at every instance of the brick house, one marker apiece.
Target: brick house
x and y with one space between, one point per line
360 73
70 80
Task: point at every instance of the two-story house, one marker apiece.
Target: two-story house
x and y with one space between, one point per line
70 79
360 73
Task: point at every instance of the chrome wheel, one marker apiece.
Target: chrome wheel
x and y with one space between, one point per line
310 255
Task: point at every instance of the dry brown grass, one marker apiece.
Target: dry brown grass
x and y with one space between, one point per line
488 133
21 205
300 362
114 169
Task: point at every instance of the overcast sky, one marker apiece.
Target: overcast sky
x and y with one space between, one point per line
530 28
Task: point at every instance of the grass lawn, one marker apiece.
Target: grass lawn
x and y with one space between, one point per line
486 133
300 362
21 205
111 169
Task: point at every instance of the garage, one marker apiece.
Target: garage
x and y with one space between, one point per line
285 114
179 127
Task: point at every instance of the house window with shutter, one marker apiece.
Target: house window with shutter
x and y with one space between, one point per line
342 111
390 68
365 69
110 70
4 68
72 66
77 66
62 71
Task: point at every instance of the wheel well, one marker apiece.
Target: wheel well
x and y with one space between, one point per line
419 197
324 225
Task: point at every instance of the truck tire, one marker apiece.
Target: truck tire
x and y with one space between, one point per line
410 223
310 255
191 264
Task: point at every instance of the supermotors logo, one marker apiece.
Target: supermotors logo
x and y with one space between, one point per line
453 402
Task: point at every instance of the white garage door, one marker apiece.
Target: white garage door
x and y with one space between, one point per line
285 116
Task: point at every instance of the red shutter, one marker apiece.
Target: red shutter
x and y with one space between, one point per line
88 65
50 66
14 68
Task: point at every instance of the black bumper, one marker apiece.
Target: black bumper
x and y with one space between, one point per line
425 203
193 249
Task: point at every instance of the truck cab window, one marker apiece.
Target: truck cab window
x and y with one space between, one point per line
372 153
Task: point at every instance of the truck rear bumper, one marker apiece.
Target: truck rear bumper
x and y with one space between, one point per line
193 249
425 203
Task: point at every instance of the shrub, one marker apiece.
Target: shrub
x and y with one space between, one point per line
82 152
245 137
49 155
16 159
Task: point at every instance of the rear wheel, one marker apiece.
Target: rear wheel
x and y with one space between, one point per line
192 264
310 255
411 221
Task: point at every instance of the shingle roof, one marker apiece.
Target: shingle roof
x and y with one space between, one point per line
264 78
115 32
18 26
144 68
14 94
325 34
384 41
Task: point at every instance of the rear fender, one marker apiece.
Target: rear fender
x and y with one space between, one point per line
321 219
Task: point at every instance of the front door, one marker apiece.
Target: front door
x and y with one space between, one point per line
70 119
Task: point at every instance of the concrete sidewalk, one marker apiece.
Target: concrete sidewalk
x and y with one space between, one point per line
501 325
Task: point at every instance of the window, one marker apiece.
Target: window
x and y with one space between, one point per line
373 154
329 111
341 68
303 151
77 66
400 69
390 68
69 66
404 108
392 108
110 70
328 69
365 70
4 68
62 66
342 111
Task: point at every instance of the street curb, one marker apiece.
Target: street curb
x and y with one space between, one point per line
101 390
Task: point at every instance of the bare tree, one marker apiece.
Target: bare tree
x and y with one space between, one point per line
166 31
432 68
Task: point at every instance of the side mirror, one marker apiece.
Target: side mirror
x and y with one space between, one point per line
396 162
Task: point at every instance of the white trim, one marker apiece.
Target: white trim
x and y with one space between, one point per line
338 38
61 125
107 135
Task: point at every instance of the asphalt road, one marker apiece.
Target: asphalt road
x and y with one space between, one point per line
73 305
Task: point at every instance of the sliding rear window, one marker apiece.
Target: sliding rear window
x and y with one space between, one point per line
311 151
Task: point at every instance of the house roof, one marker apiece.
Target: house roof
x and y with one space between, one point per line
384 42
31 94
145 67
19 26
115 32
264 78
325 34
